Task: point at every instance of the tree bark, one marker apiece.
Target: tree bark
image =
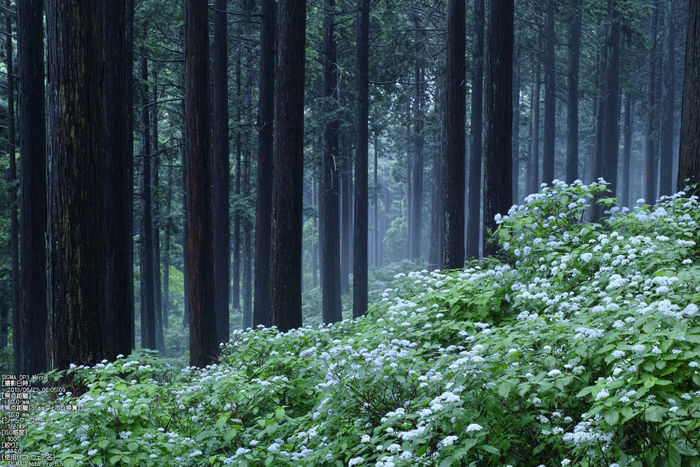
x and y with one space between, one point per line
155 192
265 158
689 161
14 221
550 98
237 213
626 153
31 319
668 104
650 142
148 323
476 154
345 241
120 299
166 252
534 159
455 114
77 321
499 117
516 124
129 101
574 56
330 240
360 250
417 179
287 207
222 178
203 334
611 112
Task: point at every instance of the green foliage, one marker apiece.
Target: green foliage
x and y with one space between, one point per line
579 349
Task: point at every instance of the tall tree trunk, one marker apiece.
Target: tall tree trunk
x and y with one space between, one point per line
263 217
499 117
330 241
315 243
203 334
237 212
185 235
376 201
14 224
574 57
166 252
418 139
31 318
77 321
650 143
222 178
287 212
155 190
247 227
129 101
611 129
360 250
344 222
148 324
533 164
600 117
550 98
626 153
453 164
435 209
516 124
476 153
120 298
689 162
668 99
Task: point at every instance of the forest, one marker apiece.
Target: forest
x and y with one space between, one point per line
350 232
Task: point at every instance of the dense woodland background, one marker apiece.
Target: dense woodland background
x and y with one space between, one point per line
208 165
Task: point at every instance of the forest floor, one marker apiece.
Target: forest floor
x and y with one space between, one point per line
576 346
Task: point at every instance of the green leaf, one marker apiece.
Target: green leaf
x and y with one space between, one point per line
279 414
230 434
674 457
654 413
490 449
612 417
114 459
222 421
585 391
104 443
504 389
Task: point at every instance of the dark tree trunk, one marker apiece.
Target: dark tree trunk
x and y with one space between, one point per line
476 153
222 228
120 299
315 242
516 124
344 224
237 214
611 129
376 202
417 179
77 322
203 335
166 252
265 157
330 240
435 209
455 114
155 192
360 250
129 102
148 323
499 117
626 153
574 56
31 318
14 224
600 117
287 207
689 161
668 102
550 98
247 227
650 143
533 164
185 235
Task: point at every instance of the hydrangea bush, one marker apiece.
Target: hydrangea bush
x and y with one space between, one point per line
578 347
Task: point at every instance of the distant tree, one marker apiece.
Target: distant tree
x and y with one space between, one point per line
330 189
14 224
360 252
533 162
120 297
31 318
77 321
689 154
203 335
287 207
550 97
476 154
148 304
572 94
668 100
455 114
652 112
222 229
611 111
263 216
499 116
